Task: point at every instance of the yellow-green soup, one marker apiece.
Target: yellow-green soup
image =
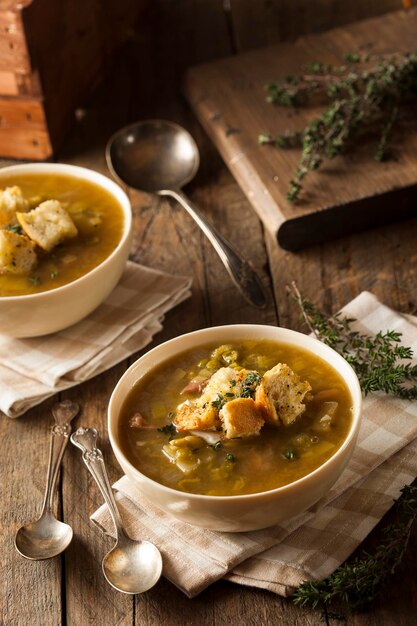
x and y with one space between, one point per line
277 456
96 214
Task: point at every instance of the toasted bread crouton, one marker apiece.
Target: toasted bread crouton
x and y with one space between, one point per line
280 395
225 381
11 201
48 225
241 418
190 416
17 253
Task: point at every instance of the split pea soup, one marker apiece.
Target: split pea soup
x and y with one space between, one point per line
205 461
99 223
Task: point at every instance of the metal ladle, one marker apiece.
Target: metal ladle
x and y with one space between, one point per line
131 566
161 157
47 537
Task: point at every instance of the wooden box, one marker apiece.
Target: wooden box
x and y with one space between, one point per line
51 53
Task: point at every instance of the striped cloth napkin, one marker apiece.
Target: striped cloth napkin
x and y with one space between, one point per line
32 370
314 544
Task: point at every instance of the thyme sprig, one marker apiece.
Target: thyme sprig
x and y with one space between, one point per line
364 91
380 361
358 583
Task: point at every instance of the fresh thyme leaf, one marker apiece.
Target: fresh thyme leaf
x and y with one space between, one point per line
366 91
230 457
168 429
355 584
380 361
249 385
290 454
14 228
35 280
217 446
219 402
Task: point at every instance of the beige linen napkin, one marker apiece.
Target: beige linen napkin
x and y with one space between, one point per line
34 369
315 543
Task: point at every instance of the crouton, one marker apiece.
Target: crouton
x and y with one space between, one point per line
280 395
17 253
241 418
191 416
223 382
224 386
11 200
48 225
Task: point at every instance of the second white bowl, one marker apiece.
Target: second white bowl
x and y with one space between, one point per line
50 311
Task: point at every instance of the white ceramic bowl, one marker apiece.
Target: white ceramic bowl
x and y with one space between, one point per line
50 311
252 511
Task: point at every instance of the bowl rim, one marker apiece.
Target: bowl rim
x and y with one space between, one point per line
354 389
100 180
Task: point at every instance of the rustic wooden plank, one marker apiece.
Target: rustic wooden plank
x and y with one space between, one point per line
351 192
30 590
265 22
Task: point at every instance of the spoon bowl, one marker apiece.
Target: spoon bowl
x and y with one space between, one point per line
120 566
47 537
43 539
131 566
153 155
161 157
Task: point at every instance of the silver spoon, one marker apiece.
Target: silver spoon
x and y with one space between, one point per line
161 157
47 537
131 566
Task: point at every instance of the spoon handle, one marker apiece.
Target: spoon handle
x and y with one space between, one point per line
240 271
63 413
86 440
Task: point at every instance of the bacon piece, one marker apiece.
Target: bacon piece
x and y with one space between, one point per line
194 387
138 421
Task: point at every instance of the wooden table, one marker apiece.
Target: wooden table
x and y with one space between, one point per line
71 590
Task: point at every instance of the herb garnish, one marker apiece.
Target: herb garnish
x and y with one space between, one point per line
249 385
363 92
290 454
230 457
355 584
35 280
217 446
168 429
219 402
378 360
14 228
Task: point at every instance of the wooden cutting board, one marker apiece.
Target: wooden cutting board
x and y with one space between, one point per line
351 192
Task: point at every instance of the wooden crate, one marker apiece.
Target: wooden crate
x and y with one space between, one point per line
51 54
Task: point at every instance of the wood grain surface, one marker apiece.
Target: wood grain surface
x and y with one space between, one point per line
71 590
349 193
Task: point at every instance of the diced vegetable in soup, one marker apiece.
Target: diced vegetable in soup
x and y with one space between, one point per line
240 418
53 229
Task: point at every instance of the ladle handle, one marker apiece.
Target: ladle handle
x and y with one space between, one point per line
240 271
86 440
